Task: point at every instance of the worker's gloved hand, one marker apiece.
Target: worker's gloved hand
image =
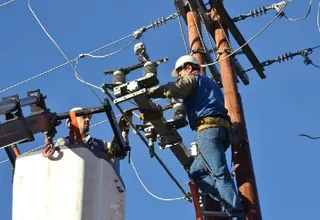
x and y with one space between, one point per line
156 92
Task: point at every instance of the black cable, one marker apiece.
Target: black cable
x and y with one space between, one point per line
305 135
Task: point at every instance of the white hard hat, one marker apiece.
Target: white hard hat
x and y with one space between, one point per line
183 60
72 110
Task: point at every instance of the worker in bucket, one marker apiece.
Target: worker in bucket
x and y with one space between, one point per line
204 104
94 144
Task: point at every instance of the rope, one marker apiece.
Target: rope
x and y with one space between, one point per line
147 190
251 39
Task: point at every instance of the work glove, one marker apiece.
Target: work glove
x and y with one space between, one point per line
156 92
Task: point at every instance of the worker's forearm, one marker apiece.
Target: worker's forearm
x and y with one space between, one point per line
180 89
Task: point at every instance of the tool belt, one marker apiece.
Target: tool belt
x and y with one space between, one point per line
216 122
212 122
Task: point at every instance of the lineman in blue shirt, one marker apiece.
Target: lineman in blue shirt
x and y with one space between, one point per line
204 104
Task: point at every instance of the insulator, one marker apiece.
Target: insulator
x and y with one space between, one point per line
258 11
150 67
284 57
255 12
178 111
159 22
119 77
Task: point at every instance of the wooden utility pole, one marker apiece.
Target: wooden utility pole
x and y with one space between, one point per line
194 33
240 150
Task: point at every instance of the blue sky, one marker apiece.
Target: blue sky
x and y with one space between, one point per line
277 108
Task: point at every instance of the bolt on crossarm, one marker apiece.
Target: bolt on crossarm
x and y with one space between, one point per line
240 149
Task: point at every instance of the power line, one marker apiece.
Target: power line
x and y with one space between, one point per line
107 92
146 189
301 18
136 34
305 53
182 32
305 135
61 51
251 39
6 3
318 17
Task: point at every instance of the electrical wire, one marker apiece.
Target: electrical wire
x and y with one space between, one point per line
107 92
303 17
207 33
318 17
136 34
147 190
6 3
61 51
78 77
182 32
82 80
136 130
198 29
251 39
63 64
110 54
305 135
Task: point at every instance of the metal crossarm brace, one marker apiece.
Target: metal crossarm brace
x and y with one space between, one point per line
168 135
208 22
238 37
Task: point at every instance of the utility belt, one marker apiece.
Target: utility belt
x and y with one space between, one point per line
215 122
212 122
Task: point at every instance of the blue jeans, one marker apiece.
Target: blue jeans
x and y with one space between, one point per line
212 144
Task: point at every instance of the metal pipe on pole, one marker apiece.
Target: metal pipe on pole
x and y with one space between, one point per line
240 150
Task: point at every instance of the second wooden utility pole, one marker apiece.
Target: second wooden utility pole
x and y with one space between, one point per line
240 150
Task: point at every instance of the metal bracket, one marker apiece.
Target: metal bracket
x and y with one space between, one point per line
240 72
15 130
146 81
238 37
39 106
168 136
122 147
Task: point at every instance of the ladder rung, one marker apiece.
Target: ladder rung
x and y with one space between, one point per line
214 213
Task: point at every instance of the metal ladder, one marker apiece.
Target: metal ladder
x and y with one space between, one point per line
200 213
